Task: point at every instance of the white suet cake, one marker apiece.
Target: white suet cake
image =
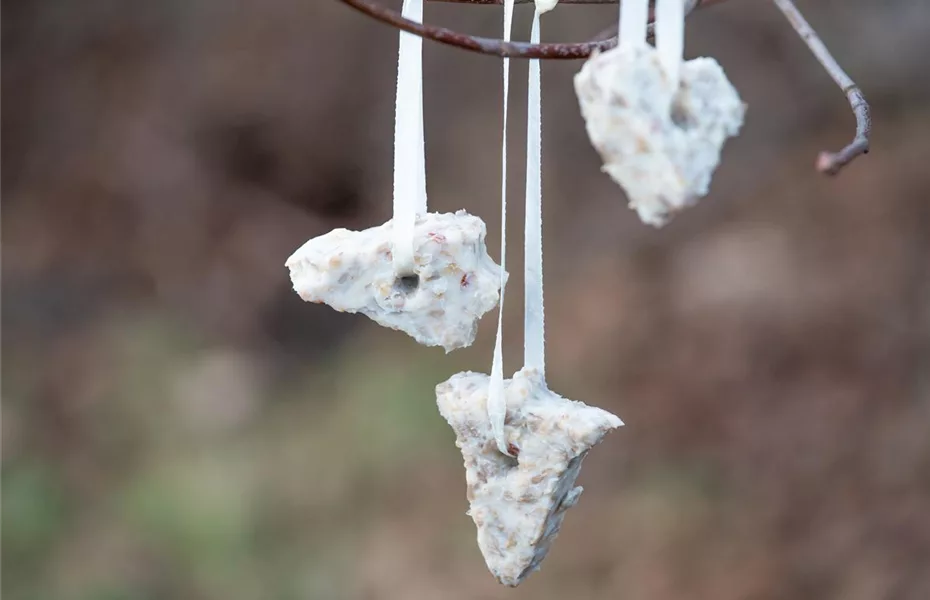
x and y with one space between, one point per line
454 284
659 141
518 504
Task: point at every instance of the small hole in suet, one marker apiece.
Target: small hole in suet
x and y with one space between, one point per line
407 284
680 115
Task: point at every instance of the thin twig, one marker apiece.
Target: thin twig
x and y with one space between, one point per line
830 163
492 46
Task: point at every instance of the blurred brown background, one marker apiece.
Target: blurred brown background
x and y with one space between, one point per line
178 424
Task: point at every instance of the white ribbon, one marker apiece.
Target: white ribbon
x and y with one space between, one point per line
409 150
634 21
670 36
534 318
534 346
497 401
544 6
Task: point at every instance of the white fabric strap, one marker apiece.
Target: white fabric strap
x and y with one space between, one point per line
634 21
409 151
497 401
534 347
670 36
544 6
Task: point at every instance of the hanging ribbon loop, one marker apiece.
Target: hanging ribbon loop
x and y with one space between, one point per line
409 150
670 36
534 346
634 22
497 401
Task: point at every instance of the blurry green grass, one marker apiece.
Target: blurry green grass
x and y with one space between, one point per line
35 513
271 509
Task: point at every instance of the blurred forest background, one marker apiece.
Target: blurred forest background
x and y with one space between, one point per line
177 424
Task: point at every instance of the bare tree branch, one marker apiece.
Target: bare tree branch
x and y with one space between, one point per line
831 163
496 47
